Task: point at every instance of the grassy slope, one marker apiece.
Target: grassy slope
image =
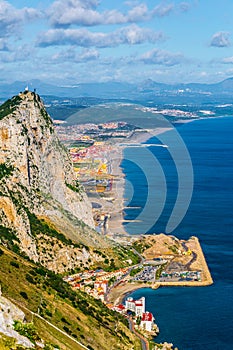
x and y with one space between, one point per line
86 319
117 112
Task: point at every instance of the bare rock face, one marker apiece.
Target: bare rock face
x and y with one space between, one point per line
36 173
8 314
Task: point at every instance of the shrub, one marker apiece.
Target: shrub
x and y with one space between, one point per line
40 226
67 330
48 313
14 263
9 106
30 279
64 320
5 170
27 330
24 295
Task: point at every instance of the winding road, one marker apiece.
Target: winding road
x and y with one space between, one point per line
144 341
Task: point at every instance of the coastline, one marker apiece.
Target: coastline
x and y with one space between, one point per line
116 221
117 210
118 293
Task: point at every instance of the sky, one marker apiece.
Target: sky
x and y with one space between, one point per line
67 42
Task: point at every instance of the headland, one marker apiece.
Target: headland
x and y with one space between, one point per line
167 261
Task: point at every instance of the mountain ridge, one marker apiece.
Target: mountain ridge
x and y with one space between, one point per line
46 232
44 211
117 90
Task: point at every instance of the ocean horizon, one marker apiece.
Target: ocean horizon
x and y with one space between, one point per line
192 317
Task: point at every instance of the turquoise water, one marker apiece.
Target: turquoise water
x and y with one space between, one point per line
201 317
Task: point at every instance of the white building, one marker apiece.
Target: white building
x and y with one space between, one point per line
101 286
147 321
137 306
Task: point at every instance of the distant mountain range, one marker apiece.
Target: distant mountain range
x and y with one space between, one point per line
120 90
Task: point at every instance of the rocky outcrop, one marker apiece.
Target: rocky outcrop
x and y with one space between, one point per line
9 313
36 175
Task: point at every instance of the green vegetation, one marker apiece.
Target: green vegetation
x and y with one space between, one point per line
133 272
8 237
76 188
39 226
74 312
173 248
46 118
63 112
7 343
15 264
28 330
116 257
126 254
131 114
5 170
24 131
9 106
141 245
24 295
160 270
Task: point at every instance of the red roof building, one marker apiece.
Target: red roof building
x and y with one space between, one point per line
120 308
147 321
147 316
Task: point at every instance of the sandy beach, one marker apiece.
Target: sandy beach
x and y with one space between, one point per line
116 209
117 294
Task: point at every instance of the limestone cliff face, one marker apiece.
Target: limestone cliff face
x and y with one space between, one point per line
8 314
36 172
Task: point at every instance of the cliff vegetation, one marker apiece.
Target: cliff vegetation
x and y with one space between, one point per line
35 289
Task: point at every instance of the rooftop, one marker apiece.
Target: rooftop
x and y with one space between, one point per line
147 316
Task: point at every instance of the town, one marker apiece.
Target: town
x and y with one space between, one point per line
164 260
112 287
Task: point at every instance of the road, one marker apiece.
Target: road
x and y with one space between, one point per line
116 283
144 341
194 257
140 256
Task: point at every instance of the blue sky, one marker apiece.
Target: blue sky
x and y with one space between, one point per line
74 41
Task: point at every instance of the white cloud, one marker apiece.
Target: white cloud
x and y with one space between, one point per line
162 57
138 13
85 13
11 18
21 53
185 6
162 10
78 57
220 39
89 55
228 60
130 35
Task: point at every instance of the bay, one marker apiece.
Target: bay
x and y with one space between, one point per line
201 317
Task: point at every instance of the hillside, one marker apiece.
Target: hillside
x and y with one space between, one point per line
44 212
46 231
83 318
130 113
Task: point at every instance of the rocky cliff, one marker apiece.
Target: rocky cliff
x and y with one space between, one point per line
9 313
39 195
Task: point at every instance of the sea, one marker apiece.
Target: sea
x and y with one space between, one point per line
192 318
